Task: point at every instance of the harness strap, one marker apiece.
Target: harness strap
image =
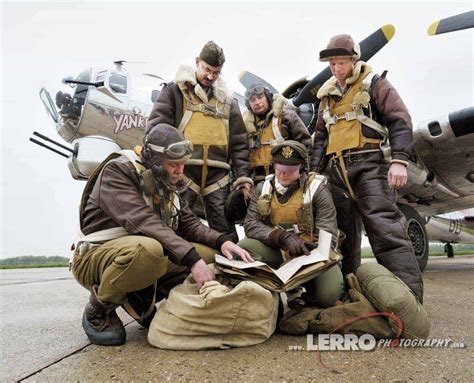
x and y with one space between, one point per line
345 175
130 310
101 235
185 120
211 163
276 131
223 182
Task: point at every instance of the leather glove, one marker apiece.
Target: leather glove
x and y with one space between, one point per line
310 245
288 242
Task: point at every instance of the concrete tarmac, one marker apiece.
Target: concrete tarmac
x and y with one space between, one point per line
42 340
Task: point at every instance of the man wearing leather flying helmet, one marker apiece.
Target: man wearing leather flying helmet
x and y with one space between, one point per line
138 236
269 123
365 129
279 218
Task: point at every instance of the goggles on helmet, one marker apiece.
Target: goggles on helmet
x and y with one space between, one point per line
176 150
257 89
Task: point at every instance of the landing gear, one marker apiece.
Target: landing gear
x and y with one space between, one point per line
417 233
448 249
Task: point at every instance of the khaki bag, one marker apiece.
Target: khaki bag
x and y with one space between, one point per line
218 316
390 294
336 319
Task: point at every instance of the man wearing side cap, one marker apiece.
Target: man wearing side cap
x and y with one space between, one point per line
199 105
365 130
138 237
286 212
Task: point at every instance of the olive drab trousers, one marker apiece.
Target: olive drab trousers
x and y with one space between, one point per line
129 264
374 206
324 290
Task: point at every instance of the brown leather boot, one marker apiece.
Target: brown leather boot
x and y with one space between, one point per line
101 323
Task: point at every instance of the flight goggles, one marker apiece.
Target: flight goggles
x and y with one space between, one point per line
175 151
257 89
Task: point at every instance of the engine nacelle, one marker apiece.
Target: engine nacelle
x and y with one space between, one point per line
89 152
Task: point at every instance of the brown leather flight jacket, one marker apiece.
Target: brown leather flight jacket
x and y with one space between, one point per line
388 109
168 108
116 200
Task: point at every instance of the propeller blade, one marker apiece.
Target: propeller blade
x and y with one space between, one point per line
293 87
368 48
453 23
240 99
154 76
247 79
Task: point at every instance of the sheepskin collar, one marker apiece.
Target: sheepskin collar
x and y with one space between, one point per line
330 87
278 105
186 80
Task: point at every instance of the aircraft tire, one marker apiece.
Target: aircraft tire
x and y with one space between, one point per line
448 248
418 235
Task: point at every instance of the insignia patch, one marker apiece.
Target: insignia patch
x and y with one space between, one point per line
287 152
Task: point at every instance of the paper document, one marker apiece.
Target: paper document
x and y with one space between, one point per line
291 274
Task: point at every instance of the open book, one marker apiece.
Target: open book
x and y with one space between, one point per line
289 275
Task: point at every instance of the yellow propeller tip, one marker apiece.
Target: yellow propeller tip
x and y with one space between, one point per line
433 27
388 30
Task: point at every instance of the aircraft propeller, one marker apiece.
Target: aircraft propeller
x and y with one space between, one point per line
369 47
453 23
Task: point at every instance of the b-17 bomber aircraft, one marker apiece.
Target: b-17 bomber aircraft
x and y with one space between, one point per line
106 113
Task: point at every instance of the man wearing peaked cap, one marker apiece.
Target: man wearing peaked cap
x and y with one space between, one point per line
198 104
365 129
275 222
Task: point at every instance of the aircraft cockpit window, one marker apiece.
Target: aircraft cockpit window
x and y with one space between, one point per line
435 128
118 83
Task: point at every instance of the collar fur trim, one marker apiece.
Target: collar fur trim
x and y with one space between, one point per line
185 78
278 105
330 87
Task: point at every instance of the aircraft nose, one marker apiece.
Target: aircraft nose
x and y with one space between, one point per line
68 106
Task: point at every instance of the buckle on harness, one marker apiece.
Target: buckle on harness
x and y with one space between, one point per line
349 116
386 149
295 228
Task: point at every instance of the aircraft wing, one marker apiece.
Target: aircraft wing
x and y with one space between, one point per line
441 175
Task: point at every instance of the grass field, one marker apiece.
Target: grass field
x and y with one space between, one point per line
32 266
26 262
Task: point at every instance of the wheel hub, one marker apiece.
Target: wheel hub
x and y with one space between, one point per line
416 234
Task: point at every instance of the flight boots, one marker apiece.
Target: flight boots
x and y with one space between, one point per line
101 323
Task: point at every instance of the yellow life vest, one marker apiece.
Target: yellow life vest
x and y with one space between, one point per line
341 117
206 125
296 214
262 139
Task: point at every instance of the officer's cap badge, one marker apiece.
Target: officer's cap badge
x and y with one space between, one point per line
287 152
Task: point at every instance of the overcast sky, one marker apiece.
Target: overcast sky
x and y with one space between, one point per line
44 42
